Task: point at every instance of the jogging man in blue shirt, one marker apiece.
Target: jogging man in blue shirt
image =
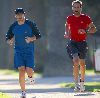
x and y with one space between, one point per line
23 33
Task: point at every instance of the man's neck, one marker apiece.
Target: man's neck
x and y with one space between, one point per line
21 22
77 15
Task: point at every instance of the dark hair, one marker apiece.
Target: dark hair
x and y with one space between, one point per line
77 1
19 10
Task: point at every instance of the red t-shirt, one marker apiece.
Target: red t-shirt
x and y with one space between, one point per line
76 23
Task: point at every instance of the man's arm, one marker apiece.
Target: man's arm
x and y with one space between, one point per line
10 41
91 28
30 39
35 31
67 31
10 35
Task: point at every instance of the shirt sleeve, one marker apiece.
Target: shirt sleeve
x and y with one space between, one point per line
35 30
9 34
88 20
67 24
67 19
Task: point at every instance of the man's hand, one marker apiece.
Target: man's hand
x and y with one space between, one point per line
92 28
81 31
11 41
30 39
66 36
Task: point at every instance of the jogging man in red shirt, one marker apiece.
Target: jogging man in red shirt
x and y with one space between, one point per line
77 26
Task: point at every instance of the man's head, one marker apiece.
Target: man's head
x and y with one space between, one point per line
77 7
19 14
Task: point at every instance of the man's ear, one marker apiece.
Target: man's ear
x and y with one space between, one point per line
15 16
81 9
23 15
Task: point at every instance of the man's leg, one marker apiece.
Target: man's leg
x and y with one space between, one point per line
30 72
73 53
82 70
76 70
75 67
22 77
22 80
82 48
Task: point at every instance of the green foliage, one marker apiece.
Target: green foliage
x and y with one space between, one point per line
2 95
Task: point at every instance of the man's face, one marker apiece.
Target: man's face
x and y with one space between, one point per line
76 8
20 16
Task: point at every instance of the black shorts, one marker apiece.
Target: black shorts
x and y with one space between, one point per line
79 48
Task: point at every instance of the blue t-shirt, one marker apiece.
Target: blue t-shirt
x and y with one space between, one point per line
20 32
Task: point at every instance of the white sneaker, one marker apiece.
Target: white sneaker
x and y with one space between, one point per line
77 87
23 95
30 80
82 87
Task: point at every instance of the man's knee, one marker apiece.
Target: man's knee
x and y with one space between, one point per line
75 59
22 69
29 69
82 62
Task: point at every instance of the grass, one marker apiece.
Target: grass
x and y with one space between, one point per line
91 72
8 72
2 95
15 72
90 86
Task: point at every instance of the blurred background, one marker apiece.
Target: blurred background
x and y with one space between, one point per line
51 57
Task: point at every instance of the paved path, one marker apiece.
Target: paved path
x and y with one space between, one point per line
45 87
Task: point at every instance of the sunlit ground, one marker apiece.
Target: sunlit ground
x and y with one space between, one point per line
91 72
2 95
15 73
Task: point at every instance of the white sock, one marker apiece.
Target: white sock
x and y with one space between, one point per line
76 83
23 92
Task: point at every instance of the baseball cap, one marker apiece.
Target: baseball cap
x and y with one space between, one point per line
19 10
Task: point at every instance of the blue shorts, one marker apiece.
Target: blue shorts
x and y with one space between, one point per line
79 48
24 57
